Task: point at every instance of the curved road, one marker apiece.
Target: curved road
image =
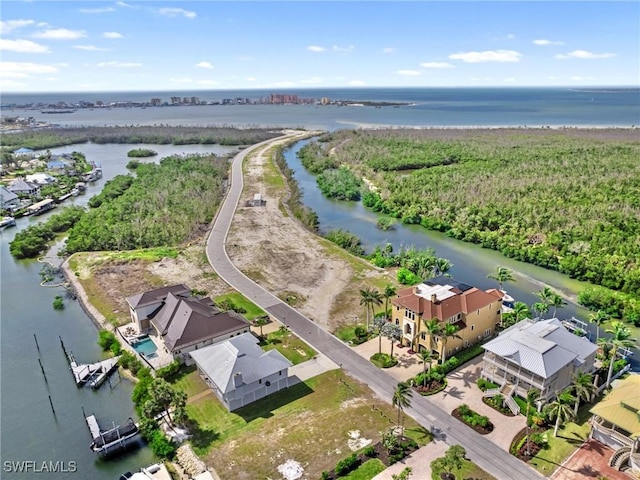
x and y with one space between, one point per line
480 450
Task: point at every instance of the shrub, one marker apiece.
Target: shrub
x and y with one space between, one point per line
116 348
129 361
347 464
168 371
161 445
106 339
58 303
484 384
407 277
369 451
383 360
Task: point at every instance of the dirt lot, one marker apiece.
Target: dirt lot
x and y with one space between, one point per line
275 250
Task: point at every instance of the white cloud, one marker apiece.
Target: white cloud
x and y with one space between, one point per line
357 83
580 78
204 65
251 79
61 34
585 55
207 82
436 65
98 10
24 69
544 42
509 80
408 73
10 25
123 4
23 46
501 56
337 48
181 80
90 48
119 64
112 35
388 50
315 48
176 12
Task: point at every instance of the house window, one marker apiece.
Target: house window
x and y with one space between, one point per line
280 373
423 336
397 321
466 343
397 308
473 327
487 332
260 380
478 312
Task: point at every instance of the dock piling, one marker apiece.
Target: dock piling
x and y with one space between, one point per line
42 370
36 339
52 409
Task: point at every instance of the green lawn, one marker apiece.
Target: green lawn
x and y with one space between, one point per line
294 349
367 470
239 300
310 423
189 381
568 440
468 470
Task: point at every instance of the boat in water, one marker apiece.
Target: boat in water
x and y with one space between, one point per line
7 222
157 471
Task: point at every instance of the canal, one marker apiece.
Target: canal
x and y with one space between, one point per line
31 432
471 263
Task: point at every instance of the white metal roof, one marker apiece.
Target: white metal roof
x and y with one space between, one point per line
543 347
440 291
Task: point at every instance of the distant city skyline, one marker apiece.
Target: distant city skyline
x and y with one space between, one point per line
92 46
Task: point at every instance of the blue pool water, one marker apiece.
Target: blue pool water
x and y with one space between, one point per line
145 346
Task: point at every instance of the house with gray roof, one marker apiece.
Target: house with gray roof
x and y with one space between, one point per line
8 199
240 372
21 187
182 322
542 355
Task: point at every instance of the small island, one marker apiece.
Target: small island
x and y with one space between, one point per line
141 153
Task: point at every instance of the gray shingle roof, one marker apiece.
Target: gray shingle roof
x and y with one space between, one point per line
157 295
543 347
222 361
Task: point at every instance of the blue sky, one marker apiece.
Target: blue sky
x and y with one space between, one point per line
51 46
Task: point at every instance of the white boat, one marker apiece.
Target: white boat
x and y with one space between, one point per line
7 222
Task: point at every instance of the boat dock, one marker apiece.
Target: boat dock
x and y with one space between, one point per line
116 437
92 374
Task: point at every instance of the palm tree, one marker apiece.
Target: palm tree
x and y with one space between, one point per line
427 356
519 312
261 322
532 395
598 318
560 409
583 389
541 308
378 327
433 328
448 331
545 295
620 338
369 297
556 301
389 291
442 266
502 275
401 398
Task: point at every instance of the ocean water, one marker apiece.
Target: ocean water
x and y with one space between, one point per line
425 107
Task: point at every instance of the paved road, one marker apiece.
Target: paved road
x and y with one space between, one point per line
480 450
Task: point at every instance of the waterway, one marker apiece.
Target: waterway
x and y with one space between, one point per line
30 430
471 263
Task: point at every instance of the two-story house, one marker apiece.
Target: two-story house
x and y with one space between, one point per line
475 312
542 355
240 372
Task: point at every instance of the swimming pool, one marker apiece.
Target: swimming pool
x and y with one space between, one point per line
145 347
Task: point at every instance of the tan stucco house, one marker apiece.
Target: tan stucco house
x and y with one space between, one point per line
475 312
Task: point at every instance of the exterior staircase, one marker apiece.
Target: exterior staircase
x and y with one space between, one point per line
506 390
620 457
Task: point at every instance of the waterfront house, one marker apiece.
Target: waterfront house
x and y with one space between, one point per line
475 312
24 152
40 179
542 355
21 187
8 199
616 423
240 372
182 322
